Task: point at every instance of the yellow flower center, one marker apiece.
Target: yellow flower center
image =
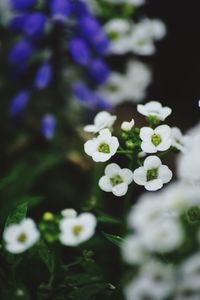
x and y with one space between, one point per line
104 148
22 238
115 180
77 230
156 139
152 174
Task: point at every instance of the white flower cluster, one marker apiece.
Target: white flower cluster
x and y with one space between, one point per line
151 173
73 230
161 223
138 38
131 86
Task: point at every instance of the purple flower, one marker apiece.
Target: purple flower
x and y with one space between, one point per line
87 97
79 51
80 8
19 102
17 23
43 76
34 24
20 52
89 27
98 71
22 4
101 43
48 125
60 9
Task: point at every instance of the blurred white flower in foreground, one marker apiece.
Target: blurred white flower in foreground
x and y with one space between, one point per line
6 13
103 147
69 213
153 174
188 162
154 109
134 2
116 180
131 86
154 282
133 250
154 140
20 237
102 120
77 230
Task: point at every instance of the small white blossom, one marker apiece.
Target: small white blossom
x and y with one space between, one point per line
163 236
116 180
178 140
131 86
102 120
127 126
133 250
154 109
158 139
190 271
153 174
69 213
77 230
103 147
20 237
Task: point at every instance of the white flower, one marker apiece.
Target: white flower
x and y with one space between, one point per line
69 213
116 180
178 140
154 282
153 174
133 250
190 271
77 230
134 2
102 120
131 86
154 109
20 237
154 140
118 30
144 34
163 236
6 12
127 126
102 147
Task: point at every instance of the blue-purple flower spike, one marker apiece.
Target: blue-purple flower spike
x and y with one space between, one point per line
48 125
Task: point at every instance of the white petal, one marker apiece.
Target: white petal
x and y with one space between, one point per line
154 185
164 131
104 184
142 109
152 162
90 128
148 147
165 145
90 147
104 134
146 133
154 106
139 176
101 157
112 169
114 145
127 175
166 111
120 189
165 174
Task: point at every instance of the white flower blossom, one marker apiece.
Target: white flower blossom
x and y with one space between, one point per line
178 140
127 126
153 174
103 147
155 282
77 230
154 109
190 271
133 250
116 180
131 86
20 237
154 140
102 120
163 236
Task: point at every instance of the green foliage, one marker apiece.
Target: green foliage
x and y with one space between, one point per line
115 239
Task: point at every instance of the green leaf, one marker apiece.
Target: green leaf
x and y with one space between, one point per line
47 256
115 239
18 214
108 219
